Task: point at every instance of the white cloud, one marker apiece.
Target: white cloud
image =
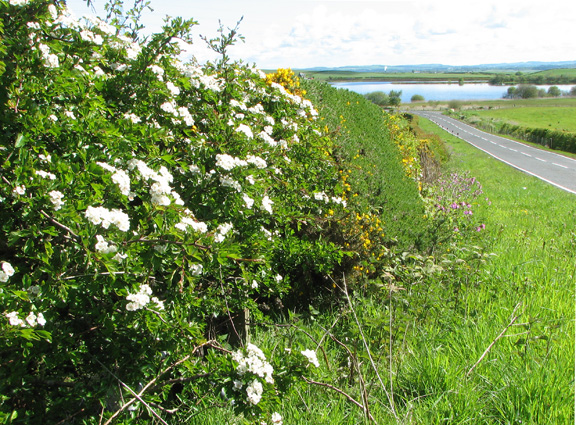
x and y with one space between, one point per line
307 33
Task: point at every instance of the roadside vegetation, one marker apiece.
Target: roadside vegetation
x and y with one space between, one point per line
208 244
553 127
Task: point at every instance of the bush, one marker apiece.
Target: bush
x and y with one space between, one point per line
147 204
417 98
378 97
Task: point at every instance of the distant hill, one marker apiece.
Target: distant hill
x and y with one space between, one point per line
533 66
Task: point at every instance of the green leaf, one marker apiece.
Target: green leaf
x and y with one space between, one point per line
20 141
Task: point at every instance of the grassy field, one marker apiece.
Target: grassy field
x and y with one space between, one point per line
481 336
551 102
568 72
388 76
558 118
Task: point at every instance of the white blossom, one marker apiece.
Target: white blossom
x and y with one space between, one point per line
228 162
222 231
172 88
57 199
103 246
254 361
254 392
6 272
248 201
45 174
142 298
122 179
14 320
31 320
244 129
276 418
267 204
104 217
311 356
132 117
19 190
19 2
157 70
169 107
186 116
230 182
196 269
257 161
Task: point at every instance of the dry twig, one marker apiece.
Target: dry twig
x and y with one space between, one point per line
514 318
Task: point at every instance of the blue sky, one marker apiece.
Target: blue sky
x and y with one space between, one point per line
308 33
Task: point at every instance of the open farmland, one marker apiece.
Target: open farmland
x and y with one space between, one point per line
557 118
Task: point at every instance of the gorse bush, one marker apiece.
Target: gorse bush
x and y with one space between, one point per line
144 203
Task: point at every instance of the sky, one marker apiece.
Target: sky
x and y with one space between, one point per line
330 33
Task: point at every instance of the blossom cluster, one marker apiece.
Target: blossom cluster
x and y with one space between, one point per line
311 356
127 138
142 298
30 321
104 217
6 272
252 361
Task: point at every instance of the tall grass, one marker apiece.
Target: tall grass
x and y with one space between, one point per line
528 375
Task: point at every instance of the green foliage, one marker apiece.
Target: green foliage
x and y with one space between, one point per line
417 98
375 169
146 203
393 98
378 97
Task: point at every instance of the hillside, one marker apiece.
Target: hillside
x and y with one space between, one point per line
533 66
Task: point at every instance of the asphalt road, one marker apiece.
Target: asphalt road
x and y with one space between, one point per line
551 167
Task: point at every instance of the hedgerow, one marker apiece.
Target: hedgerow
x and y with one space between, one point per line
371 144
146 205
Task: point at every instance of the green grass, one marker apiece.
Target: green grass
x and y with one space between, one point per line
557 118
554 102
528 378
332 75
568 72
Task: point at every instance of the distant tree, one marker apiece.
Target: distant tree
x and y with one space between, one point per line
511 94
498 80
395 97
455 104
417 98
554 91
573 91
378 97
526 91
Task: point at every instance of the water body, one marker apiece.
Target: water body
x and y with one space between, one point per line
436 91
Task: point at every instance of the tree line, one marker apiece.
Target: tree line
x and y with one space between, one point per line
521 78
